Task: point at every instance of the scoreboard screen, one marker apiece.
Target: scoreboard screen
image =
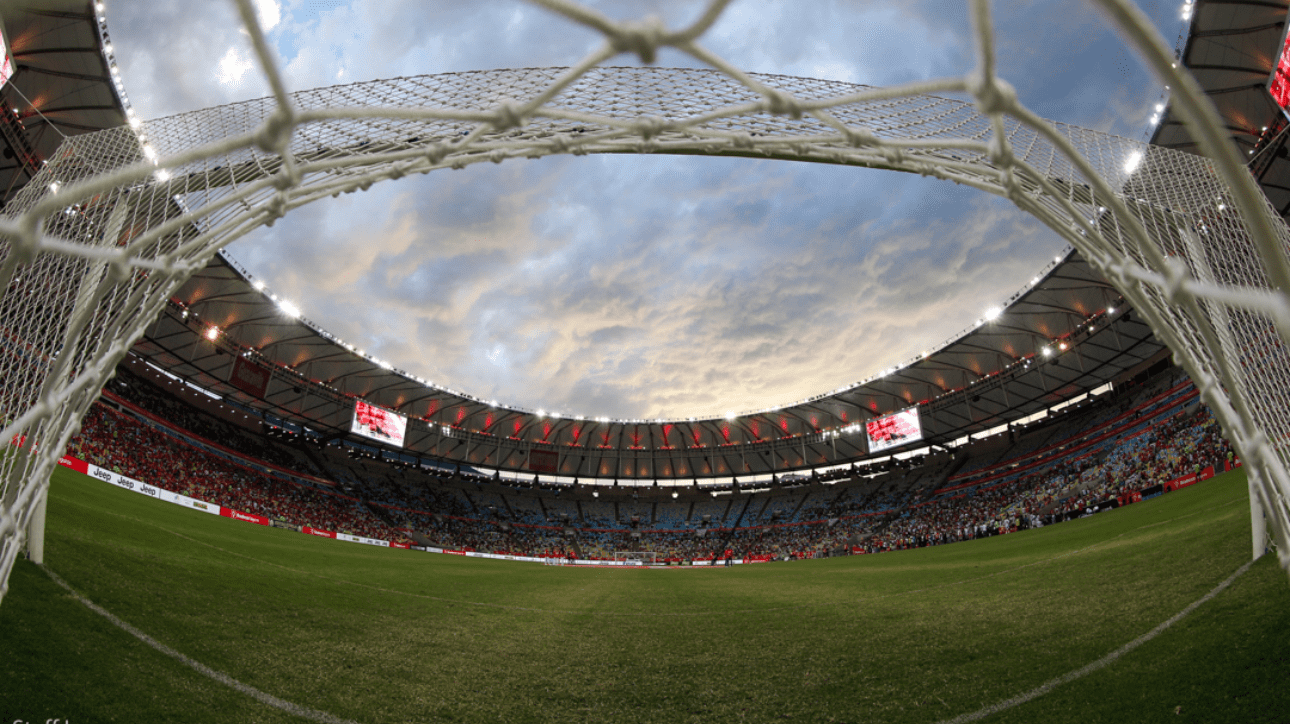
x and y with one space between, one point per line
894 430
1279 82
6 63
378 423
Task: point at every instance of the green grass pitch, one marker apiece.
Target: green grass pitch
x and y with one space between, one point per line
382 635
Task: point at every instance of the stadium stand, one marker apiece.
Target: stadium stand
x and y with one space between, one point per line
1108 452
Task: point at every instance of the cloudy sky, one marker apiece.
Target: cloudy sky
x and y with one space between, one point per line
645 286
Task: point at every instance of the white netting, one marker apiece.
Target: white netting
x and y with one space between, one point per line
118 220
645 558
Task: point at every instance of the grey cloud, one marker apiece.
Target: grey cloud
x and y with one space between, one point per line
644 287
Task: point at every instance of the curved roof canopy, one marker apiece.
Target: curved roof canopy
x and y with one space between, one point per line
1062 336
1232 49
63 84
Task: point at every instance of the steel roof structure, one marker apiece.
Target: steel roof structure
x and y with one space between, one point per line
1232 49
996 373
64 84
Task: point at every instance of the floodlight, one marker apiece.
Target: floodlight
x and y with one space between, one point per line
1132 162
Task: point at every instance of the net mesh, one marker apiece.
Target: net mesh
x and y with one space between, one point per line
93 247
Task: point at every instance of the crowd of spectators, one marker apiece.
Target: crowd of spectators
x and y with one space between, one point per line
1164 449
166 405
123 443
1107 453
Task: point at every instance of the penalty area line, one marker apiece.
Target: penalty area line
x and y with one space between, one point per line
199 667
1101 663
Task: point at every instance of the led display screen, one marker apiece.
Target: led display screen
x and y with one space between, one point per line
6 63
1279 84
378 424
894 430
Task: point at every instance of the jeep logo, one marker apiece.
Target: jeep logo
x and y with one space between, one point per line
146 490
103 475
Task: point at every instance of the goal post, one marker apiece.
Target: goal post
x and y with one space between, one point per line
636 558
98 241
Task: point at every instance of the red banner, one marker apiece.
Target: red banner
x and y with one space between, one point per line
544 461
249 377
316 531
239 515
455 553
1191 479
71 463
404 546
1232 464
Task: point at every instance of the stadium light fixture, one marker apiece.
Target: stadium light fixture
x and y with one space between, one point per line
730 415
993 313
212 333
289 309
1048 351
1132 162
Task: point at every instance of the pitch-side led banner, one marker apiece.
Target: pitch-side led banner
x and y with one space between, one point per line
894 430
246 517
378 423
361 539
72 463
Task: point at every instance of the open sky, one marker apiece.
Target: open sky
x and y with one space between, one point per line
643 287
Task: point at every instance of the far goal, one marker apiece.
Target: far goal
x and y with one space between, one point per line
636 558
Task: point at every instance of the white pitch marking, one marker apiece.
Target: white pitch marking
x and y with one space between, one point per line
199 667
1101 663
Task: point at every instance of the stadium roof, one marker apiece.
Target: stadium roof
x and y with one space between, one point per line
1066 334
1232 49
63 84
996 373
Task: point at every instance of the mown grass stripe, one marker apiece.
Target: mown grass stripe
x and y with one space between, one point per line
263 697
1101 663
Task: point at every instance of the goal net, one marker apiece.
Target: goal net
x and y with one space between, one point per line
636 558
96 244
